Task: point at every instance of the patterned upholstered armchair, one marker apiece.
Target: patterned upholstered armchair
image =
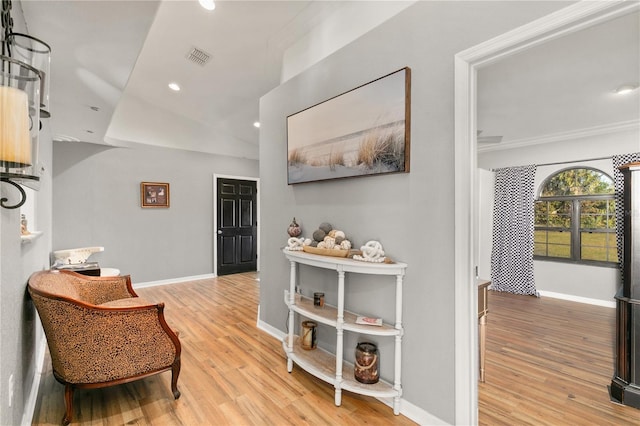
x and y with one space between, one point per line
100 333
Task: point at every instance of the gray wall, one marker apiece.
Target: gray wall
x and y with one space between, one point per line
18 322
19 325
97 203
411 214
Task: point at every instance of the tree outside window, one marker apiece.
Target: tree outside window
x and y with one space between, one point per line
575 218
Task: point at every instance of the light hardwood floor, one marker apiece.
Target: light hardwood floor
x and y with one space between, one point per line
232 373
549 362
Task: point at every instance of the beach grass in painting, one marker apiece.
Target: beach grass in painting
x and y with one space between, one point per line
361 132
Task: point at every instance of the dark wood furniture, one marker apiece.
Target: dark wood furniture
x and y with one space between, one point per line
483 310
625 385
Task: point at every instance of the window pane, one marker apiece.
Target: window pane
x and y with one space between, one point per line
597 214
577 182
593 221
552 244
540 237
540 243
599 246
560 237
541 211
613 247
559 215
611 214
556 214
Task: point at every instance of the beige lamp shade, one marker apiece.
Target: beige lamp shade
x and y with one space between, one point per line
15 142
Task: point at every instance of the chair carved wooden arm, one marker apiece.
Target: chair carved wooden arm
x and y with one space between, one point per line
100 333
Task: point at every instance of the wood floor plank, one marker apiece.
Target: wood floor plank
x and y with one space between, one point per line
232 373
549 362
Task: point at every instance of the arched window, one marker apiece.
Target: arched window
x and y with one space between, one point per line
575 218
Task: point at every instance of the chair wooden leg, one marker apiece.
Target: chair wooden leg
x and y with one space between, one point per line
68 403
175 372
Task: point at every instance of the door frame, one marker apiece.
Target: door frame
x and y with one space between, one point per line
214 236
564 21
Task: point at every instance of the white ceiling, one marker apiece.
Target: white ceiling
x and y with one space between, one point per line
565 86
94 48
119 56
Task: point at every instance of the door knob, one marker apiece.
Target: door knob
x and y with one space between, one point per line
219 231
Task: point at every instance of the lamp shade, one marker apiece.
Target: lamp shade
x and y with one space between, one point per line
15 142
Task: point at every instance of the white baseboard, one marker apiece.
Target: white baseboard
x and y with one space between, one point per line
407 409
173 281
579 299
270 330
419 415
30 402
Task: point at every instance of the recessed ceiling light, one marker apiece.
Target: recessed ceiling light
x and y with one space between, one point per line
256 124
626 88
207 4
174 87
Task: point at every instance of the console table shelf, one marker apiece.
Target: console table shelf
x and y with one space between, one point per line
324 365
328 315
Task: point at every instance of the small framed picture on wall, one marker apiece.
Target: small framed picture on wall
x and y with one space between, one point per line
154 195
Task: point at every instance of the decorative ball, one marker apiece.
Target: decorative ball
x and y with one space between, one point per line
345 245
322 245
332 233
329 242
307 242
339 240
313 244
326 227
319 235
339 234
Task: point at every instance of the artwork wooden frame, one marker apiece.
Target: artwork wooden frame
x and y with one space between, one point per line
154 195
362 132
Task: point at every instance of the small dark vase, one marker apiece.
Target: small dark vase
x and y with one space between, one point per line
294 229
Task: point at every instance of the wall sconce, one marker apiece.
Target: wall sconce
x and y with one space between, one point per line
21 102
36 53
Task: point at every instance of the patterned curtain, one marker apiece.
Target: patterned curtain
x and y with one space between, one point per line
513 226
618 181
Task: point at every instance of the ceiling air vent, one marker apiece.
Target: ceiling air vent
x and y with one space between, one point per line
198 56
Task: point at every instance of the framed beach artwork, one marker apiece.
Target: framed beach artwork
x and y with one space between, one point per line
362 132
154 194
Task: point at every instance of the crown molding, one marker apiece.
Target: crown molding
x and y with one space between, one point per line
605 129
573 18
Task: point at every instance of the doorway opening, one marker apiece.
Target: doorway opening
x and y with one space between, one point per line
569 19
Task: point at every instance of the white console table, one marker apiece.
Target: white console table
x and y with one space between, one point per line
329 367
